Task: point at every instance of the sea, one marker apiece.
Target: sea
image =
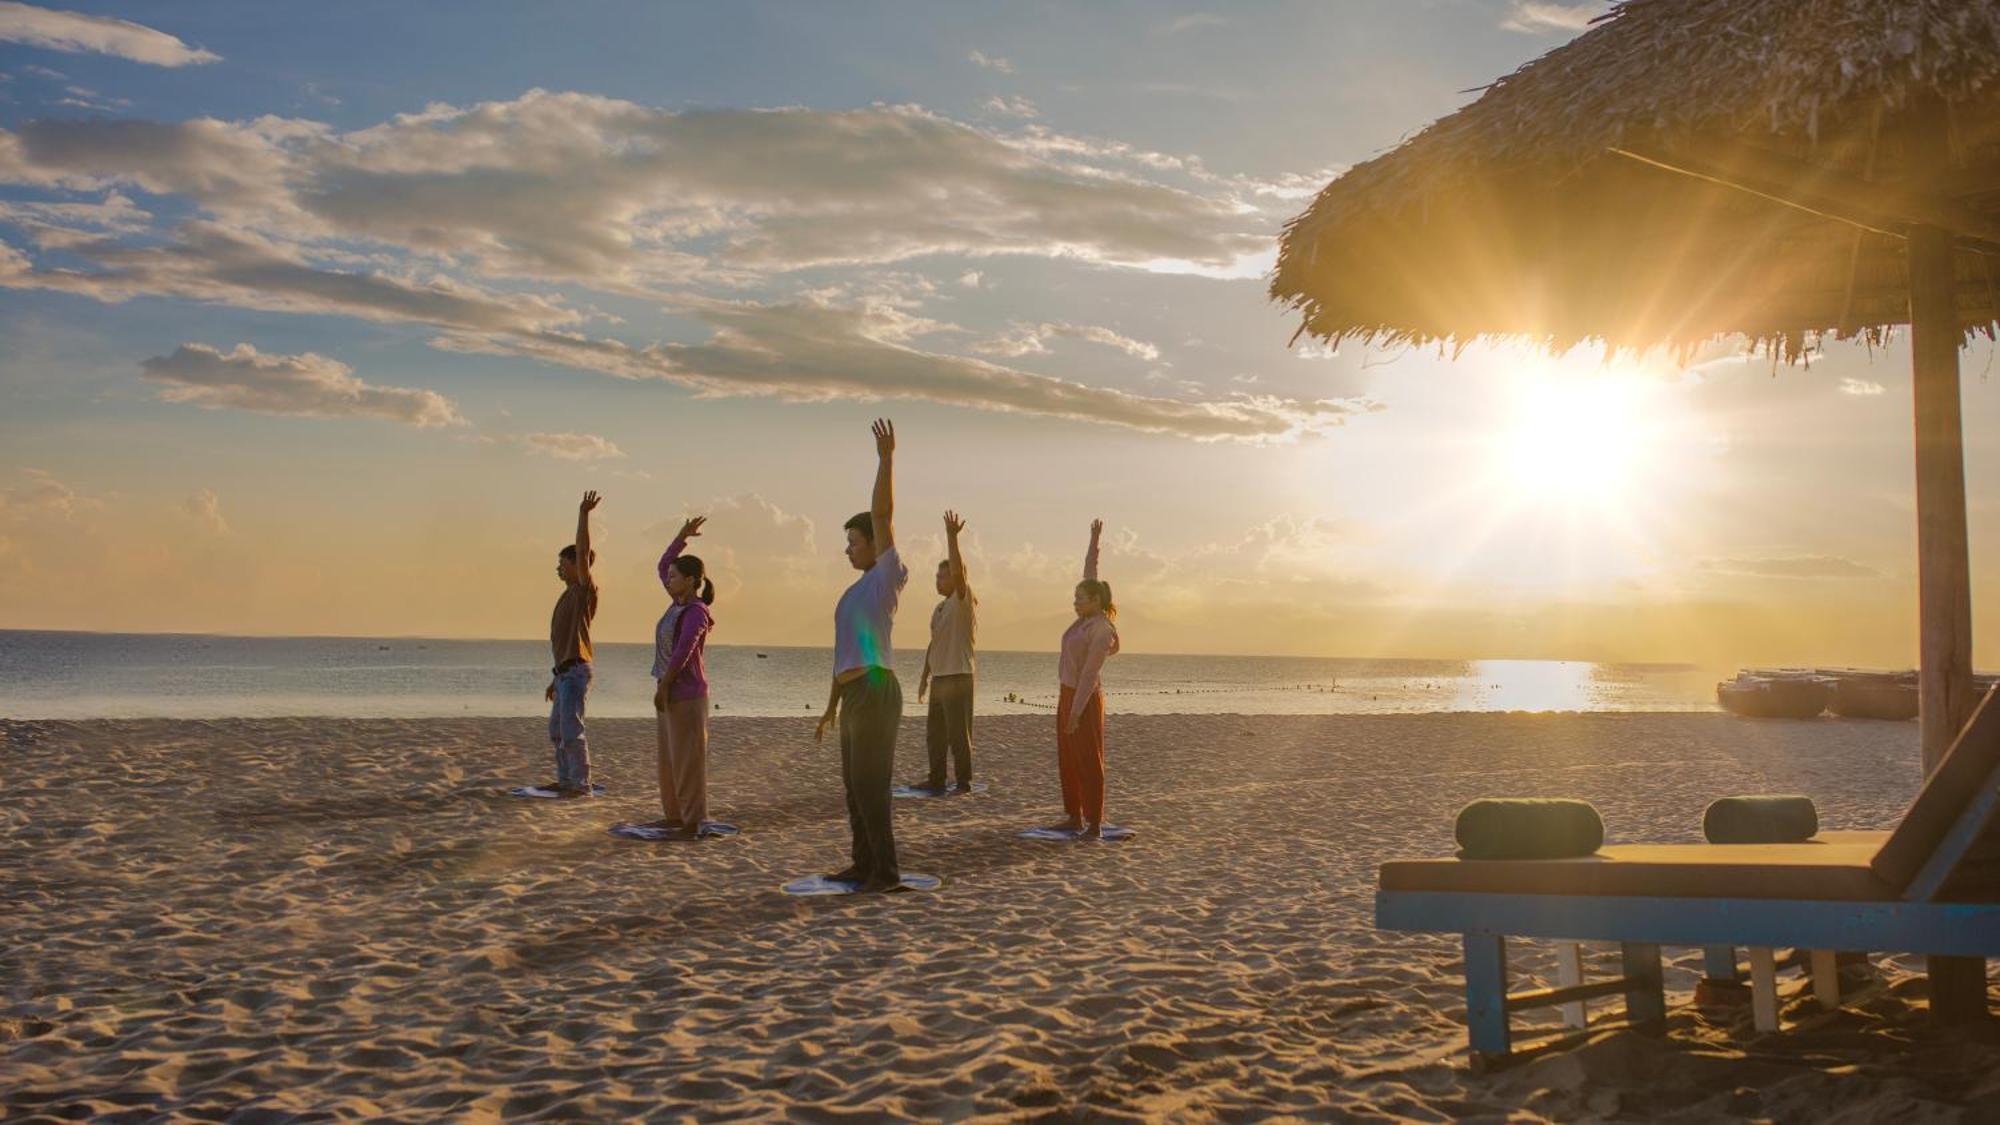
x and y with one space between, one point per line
68 675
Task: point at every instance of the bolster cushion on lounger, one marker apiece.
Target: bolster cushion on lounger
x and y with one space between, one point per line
1528 828
1760 820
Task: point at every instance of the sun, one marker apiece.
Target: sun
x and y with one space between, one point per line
1581 442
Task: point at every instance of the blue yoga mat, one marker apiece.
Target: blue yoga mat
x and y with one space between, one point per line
544 793
1110 832
920 791
815 885
649 832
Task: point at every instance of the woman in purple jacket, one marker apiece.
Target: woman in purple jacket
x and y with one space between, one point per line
681 699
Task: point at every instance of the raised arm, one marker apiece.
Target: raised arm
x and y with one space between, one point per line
882 509
952 526
688 531
590 500
1090 556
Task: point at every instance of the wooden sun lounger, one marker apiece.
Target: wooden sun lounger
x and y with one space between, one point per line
1932 886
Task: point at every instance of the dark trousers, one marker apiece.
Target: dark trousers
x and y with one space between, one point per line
950 728
871 707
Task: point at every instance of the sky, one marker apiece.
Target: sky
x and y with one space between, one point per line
318 319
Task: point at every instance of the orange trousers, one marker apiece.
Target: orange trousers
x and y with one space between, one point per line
1080 756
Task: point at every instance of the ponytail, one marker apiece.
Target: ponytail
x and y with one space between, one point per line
691 567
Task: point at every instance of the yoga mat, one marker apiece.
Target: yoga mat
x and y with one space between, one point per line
650 832
545 793
816 885
1109 832
919 791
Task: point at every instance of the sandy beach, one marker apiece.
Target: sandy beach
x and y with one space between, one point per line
260 918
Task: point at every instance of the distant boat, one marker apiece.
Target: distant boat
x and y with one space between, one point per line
763 656
1875 695
1785 694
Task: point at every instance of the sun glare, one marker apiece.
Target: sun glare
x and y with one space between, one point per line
1571 443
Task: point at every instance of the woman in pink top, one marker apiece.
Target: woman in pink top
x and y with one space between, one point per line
680 699
1080 710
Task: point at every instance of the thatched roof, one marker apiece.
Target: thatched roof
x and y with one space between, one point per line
1534 212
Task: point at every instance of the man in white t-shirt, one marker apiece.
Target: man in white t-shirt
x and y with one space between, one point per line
948 668
866 699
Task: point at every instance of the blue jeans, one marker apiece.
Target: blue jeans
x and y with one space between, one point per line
566 727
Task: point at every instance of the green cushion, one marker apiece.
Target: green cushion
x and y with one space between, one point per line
1528 828
1760 820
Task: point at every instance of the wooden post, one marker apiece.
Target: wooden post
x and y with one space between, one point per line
1826 979
1645 986
1486 996
1944 575
1718 962
1763 989
1569 973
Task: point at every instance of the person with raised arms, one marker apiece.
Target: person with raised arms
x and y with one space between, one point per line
948 669
865 698
680 695
1088 642
569 646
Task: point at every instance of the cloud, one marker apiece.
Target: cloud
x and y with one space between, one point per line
76 33
1861 387
808 351
623 197
1011 106
304 385
206 509
572 447
1191 21
1031 339
970 279
1800 566
1537 16
991 62
43 494
210 263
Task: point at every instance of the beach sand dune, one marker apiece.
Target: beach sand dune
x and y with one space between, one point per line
343 916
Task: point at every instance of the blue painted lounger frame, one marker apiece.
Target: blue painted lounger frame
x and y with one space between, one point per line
1641 925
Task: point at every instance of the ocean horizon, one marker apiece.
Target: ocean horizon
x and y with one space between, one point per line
79 675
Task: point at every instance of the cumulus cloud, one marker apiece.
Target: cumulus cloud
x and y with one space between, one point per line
208 262
305 385
621 196
809 351
43 494
205 507
572 447
1032 339
1536 16
1798 566
1011 106
1863 388
427 219
991 62
77 33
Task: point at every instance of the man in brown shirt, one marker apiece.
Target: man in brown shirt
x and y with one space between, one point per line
569 646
